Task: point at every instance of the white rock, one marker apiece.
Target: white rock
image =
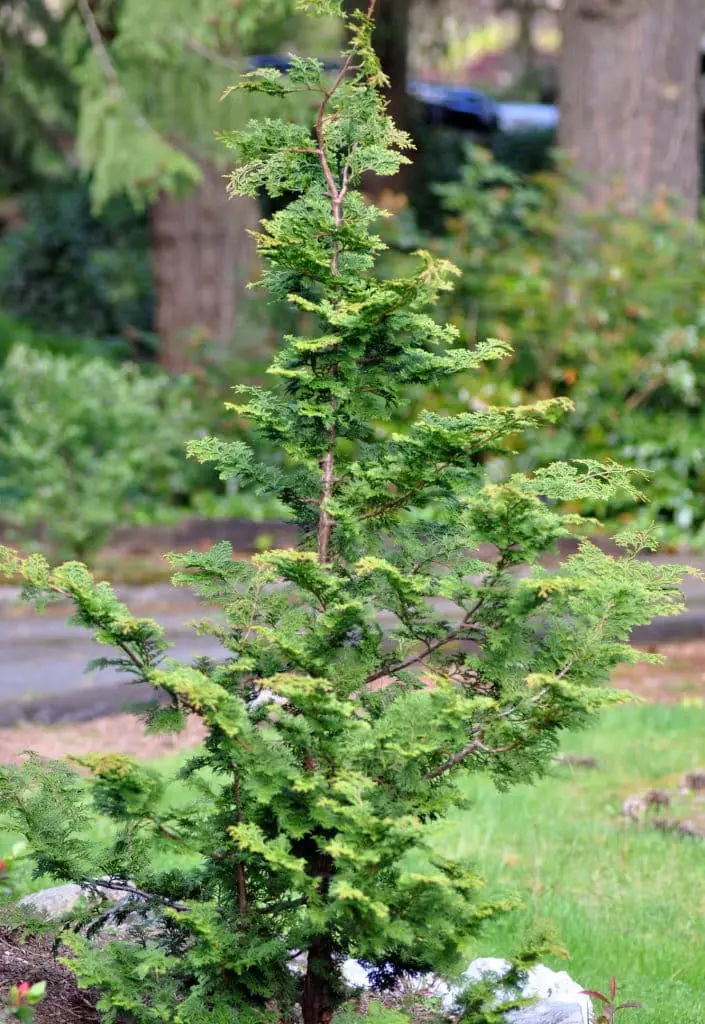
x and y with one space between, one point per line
355 974
53 903
560 999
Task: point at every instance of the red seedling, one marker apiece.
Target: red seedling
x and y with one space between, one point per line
609 1004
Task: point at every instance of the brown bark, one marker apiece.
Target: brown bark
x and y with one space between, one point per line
202 259
391 43
317 1001
629 97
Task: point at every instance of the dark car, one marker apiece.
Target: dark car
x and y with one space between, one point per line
454 105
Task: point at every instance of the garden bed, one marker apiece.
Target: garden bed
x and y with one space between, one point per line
33 960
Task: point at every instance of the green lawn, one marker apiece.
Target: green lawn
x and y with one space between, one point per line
624 901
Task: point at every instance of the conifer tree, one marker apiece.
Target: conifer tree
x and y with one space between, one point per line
411 638
148 111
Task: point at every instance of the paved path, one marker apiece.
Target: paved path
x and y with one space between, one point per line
42 660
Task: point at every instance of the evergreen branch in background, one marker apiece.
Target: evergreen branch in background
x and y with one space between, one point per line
101 52
412 638
164 160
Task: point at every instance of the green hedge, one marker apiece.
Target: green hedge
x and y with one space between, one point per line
607 309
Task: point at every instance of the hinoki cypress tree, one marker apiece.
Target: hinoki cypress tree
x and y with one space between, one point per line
410 639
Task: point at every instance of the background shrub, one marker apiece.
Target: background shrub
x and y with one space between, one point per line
606 309
68 271
85 445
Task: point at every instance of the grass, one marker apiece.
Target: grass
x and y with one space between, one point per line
623 900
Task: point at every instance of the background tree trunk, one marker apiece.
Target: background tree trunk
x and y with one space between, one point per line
391 43
629 97
202 259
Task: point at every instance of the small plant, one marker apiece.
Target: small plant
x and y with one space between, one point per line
21 1001
14 871
413 637
609 1005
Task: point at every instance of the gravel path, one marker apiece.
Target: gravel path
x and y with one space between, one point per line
681 677
42 659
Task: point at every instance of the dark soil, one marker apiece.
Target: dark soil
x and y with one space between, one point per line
33 960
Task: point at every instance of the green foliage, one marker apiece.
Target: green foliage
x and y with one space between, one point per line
525 152
410 640
18 332
85 445
68 272
442 159
38 94
607 310
13 873
375 1013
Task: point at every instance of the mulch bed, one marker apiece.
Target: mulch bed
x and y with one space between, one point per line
33 960
119 734
681 676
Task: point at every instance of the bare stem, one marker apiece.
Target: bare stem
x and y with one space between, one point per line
336 194
325 520
477 745
428 649
472 748
242 900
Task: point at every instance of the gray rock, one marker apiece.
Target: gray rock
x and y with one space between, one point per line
548 1012
123 921
59 901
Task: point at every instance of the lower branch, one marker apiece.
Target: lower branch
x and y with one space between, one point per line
131 890
472 748
429 648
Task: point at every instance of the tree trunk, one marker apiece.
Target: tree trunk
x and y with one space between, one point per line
317 1001
321 988
629 97
391 43
202 259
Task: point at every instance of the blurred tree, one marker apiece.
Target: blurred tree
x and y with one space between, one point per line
38 96
525 12
129 91
148 116
629 96
391 43
534 76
